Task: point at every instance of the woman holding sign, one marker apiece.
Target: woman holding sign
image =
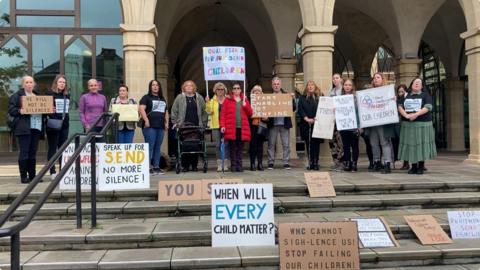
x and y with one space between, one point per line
417 137
154 122
27 128
235 125
126 130
350 137
307 110
58 122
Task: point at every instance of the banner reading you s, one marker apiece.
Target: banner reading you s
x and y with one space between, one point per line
224 63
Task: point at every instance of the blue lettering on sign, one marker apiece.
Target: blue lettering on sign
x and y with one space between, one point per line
240 211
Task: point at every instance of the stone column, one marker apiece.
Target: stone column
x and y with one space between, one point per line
162 77
407 70
286 69
317 52
455 114
472 50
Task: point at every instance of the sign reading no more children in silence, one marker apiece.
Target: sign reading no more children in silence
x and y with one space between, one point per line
377 106
242 215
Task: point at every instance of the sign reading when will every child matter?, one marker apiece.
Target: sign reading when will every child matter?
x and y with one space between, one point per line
37 104
318 245
272 105
224 63
242 215
464 224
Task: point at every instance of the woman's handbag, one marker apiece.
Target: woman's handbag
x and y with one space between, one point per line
262 130
56 124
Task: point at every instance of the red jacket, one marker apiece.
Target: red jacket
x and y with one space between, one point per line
228 118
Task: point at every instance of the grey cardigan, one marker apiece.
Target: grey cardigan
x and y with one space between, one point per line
179 108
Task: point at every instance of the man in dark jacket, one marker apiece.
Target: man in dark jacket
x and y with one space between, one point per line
282 126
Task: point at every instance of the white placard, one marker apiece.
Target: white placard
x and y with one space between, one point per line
124 167
324 119
377 106
375 239
412 105
464 224
159 106
59 105
224 63
242 215
68 180
345 113
369 224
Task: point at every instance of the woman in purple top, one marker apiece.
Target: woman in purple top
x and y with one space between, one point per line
92 105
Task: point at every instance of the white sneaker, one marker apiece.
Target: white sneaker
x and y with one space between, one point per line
53 175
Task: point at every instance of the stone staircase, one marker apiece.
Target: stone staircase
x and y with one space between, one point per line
137 232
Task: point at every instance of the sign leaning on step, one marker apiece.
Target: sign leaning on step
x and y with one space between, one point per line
377 106
319 185
427 229
242 215
464 224
190 190
374 233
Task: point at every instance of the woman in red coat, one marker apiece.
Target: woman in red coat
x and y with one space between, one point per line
235 126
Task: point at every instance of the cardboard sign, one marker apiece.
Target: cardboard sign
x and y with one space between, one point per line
208 183
324 119
319 245
123 166
319 185
345 112
272 105
377 106
242 215
224 63
374 233
68 181
37 104
427 230
179 190
464 224
127 112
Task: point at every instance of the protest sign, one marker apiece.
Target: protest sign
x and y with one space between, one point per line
242 215
37 104
61 103
374 233
272 105
345 113
427 229
324 119
179 190
319 245
319 185
464 224
377 106
123 166
68 181
224 63
127 112
208 183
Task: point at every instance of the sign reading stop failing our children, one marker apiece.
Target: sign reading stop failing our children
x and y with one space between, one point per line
123 166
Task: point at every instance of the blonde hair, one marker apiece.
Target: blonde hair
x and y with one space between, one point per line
24 78
92 81
187 82
354 90
256 88
316 92
219 85
384 81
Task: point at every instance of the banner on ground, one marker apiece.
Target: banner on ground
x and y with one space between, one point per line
319 245
345 113
374 233
377 106
272 105
242 215
127 112
123 166
224 63
324 119
68 181
464 224
37 104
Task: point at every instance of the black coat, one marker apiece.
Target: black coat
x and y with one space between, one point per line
22 121
287 122
306 107
66 119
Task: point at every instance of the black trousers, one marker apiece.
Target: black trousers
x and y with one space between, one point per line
368 147
256 145
27 155
350 145
236 150
55 139
312 145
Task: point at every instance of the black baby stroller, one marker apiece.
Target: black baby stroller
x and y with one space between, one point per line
191 140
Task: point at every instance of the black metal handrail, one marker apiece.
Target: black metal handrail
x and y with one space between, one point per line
90 137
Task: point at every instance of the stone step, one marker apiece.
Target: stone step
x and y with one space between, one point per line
459 255
180 231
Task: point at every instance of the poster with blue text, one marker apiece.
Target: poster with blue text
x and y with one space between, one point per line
224 63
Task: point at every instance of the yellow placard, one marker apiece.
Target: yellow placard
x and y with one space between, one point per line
127 112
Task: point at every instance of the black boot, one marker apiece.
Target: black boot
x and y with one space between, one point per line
310 164
413 169
260 166
23 168
421 167
370 166
32 163
347 166
354 166
386 168
252 166
405 166
315 165
377 166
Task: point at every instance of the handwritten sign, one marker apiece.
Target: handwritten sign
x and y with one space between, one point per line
427 229
377 106
208 183
224 63
37 104
242 215
123 166
272 105
324 119
61 103
345 113
179 190
320 185
127 112
68 181
319 245
464 224
374 233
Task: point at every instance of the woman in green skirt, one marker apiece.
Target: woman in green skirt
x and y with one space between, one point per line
417 137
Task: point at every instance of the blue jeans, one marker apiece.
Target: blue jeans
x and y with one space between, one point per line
125 136
154 138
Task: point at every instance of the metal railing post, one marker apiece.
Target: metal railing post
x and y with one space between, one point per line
15 252
93 164
78 185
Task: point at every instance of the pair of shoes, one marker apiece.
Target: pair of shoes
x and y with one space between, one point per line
413 169
270 166
219 165
287 167
158 171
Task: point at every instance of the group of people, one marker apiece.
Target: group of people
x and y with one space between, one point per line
229 116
